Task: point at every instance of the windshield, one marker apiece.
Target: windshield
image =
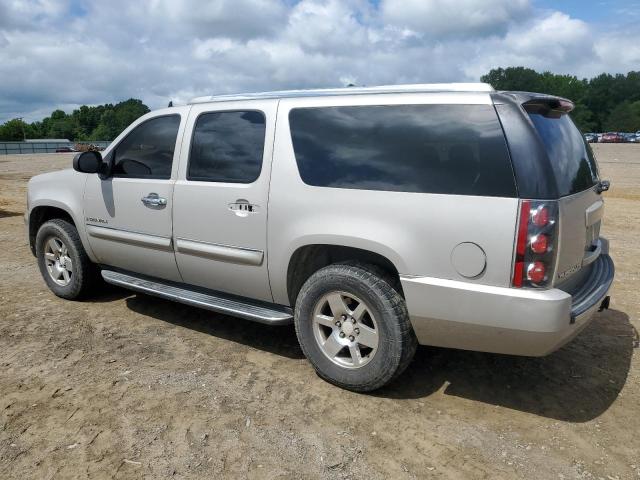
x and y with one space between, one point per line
571 157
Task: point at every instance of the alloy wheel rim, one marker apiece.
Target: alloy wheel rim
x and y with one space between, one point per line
58 262
345 329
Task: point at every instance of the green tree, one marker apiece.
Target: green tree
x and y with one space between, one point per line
13 130
128 111
514 78
101 122
567 86
625 117
584 118
107 128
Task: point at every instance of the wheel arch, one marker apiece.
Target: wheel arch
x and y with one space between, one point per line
307 259
45 211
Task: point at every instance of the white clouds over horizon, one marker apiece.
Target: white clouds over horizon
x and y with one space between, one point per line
63 53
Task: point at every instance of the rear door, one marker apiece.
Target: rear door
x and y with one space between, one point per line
221 196
580 205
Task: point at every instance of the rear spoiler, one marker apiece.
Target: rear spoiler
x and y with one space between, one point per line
538 102
545 103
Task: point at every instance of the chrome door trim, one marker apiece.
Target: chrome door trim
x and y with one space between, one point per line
223 253
132 238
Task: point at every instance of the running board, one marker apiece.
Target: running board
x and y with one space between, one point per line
216 302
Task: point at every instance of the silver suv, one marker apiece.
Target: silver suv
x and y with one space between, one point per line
375 219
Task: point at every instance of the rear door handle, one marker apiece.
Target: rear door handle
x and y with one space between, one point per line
154 200
243 208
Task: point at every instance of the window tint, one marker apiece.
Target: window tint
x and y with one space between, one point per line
147 152
454 149
227 147
571 157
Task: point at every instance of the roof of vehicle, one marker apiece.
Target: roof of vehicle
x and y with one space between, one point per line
326 92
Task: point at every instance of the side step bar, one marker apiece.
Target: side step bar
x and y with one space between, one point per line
216 302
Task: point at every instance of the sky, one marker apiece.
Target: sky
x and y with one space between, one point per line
65 53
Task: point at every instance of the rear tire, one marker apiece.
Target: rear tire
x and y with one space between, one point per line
354 327
63 261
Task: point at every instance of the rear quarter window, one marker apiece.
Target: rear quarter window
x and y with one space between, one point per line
446 149
571 157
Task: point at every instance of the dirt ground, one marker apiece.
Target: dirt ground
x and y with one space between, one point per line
130 386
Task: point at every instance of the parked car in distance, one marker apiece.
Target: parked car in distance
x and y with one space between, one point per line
611 137
373 219
65 149
635 138
591 137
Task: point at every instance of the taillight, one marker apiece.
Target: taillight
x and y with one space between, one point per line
539 243
535 243
536 272
540 216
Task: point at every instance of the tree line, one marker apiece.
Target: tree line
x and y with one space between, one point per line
101 122
606 103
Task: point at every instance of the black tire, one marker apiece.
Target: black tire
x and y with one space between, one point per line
397 342
85 273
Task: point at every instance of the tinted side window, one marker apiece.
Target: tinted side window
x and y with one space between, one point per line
227 147
147 152
572 160
451 149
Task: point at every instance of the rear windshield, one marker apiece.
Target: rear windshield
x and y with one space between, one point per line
447 149
571 158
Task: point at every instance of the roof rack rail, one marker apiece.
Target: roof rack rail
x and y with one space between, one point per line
326 92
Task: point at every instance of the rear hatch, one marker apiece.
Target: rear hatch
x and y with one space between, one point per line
580 205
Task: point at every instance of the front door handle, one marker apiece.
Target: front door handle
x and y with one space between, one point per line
154 200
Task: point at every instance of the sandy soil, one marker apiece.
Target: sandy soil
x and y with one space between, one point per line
130 386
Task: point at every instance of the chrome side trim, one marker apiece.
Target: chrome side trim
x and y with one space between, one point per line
132 238
216 302
223 253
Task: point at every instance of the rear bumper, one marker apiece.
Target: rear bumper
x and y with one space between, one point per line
514 321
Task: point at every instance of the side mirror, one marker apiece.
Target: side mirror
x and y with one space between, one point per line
88 162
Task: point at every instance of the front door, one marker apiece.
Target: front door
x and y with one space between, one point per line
221 195
128 215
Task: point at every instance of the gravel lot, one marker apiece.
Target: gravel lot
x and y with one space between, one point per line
130 386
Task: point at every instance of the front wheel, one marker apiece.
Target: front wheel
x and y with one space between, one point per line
354 328
62 260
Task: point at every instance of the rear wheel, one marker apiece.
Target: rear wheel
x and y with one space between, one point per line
62 260
353 327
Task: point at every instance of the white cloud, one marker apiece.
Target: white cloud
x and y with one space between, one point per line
57 53
224 18
616 51
466 18
555 42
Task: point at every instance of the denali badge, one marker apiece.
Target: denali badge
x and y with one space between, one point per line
95 220
569 271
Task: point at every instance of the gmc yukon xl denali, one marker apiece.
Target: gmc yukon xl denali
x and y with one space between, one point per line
374 219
